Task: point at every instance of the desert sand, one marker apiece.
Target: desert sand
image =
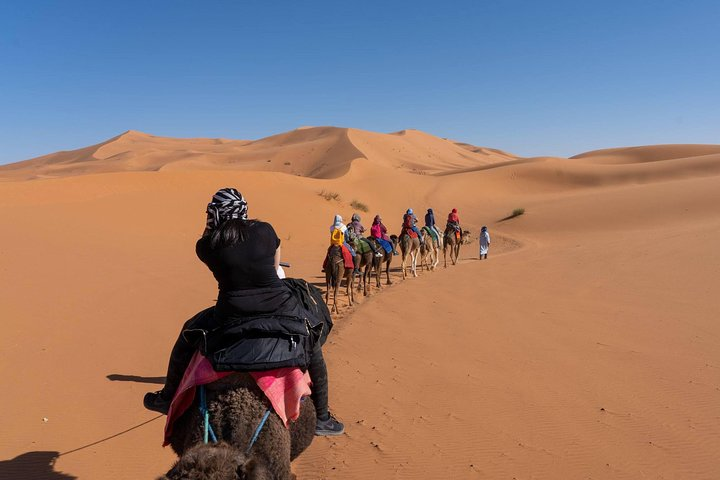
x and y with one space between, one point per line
587 345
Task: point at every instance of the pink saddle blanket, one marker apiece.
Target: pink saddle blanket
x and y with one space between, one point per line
284 387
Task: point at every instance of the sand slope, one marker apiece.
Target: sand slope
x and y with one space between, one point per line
587 346
317 152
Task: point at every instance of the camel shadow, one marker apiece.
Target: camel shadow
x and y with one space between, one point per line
116 377
33 465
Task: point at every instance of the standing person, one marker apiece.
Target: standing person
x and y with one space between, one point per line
430 223
484 242
243 256
453 221
379 231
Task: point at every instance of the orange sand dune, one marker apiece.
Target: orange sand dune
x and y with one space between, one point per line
317 152
586 346
649 153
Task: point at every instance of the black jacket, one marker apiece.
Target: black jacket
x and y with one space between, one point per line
263 329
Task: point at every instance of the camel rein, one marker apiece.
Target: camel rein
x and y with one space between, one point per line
208 430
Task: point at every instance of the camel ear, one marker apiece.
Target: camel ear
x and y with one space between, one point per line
253 470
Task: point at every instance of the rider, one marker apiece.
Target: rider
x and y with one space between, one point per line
339 225
430 223
409 223
358 231
453 222
379 232
243 256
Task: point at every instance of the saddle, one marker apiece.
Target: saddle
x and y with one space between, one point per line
431 232
283 387
455 228
410 232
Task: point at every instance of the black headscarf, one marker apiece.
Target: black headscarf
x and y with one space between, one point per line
227 203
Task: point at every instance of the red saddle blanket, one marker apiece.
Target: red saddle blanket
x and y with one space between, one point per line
411 233
347 258
284 387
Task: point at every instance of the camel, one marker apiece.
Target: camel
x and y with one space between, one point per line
236 407
385 259
365 261
409 246
451 241
335 271
429 250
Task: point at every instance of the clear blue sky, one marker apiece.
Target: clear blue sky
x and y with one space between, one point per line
530 77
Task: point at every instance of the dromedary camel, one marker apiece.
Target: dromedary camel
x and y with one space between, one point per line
429 250
365 261
451 240
237 406
385 259
409 246
335 271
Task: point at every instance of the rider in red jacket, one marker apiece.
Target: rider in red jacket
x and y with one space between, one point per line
454 221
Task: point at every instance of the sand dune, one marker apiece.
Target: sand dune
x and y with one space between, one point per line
649 153
316 152
586 346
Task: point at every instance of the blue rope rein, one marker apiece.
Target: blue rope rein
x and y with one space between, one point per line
208 430
257 431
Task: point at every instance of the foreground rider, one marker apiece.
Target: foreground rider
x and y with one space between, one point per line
243 256
453 222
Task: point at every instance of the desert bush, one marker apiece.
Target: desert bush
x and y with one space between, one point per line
359 206
329 195
517 212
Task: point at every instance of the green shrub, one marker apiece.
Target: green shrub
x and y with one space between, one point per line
329 195
359 206
517 212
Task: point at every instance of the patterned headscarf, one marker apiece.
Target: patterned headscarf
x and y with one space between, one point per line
227 203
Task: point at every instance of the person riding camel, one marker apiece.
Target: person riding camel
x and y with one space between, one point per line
243 255
409 223
359 230
339 237
430 223
379 232
453 222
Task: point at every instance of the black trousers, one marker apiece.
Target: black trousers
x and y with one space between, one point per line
183 351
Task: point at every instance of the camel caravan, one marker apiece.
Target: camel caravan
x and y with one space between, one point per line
351 254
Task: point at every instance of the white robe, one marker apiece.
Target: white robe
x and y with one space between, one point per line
484 242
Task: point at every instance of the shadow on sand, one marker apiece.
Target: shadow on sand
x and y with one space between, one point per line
32 466
116 377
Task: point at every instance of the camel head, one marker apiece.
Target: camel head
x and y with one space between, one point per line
216 461
467 237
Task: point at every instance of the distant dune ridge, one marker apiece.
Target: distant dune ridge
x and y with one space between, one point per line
315 152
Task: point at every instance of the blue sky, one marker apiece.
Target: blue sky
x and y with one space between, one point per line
529 77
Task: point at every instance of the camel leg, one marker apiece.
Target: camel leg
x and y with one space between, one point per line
335 291
414 264
378 270
387 271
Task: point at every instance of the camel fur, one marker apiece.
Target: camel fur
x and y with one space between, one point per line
409 246
236 407
335 271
